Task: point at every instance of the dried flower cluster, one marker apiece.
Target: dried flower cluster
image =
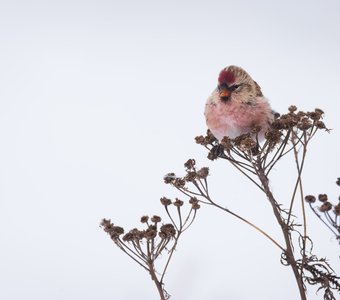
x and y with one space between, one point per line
289 133
146 245
286 132
326 211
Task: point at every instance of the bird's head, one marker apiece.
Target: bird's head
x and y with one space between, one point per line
234 80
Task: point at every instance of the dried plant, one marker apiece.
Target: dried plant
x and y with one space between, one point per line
290 133
327 212
147 245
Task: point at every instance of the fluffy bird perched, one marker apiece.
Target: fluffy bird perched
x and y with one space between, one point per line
237 105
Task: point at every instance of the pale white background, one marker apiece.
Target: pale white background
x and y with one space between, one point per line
99 99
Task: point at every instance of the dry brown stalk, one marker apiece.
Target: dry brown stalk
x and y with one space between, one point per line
145 246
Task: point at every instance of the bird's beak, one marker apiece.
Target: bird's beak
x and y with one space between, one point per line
224 92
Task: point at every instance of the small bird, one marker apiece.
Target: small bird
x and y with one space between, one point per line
237 105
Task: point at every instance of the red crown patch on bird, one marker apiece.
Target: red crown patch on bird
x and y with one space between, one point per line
226 77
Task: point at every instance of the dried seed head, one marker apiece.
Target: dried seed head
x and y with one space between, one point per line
189 164
200 140
178 202
286 121
292 108
138 234
310 199
194 203
210 138
326 206
337 209
314 115
226 143
113 231
238 140
179 182
277 124
191 176
109 228
156 219
203 173
323 197
133 235
245 143
106 224
128 237
195 206
165 201
193 200
167 230
212 155
273 136
304 124
320 125
319 111
255 129
169 178
300 114
150 233
144 219
116 232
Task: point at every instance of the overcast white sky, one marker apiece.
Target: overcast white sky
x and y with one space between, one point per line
99 99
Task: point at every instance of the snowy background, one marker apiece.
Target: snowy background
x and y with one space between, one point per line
99 99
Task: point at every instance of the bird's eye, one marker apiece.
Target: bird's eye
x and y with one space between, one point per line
234 87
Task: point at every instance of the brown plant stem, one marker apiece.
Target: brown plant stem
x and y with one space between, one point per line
207 196
211 202
250 224
299 170
169 258
285 230
156 281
